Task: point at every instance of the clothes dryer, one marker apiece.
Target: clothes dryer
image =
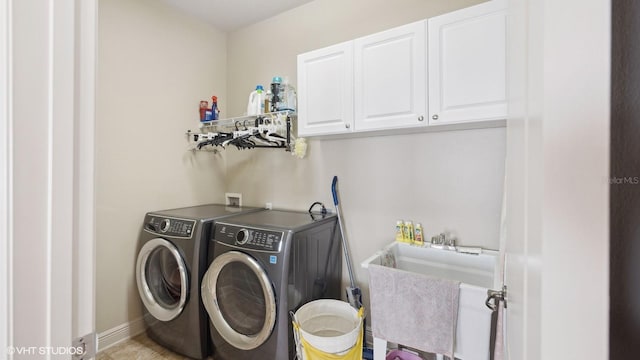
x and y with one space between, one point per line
172 258
264 265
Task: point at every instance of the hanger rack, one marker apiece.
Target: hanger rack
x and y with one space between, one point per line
270 130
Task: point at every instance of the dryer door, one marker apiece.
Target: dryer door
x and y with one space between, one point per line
162 279
240 300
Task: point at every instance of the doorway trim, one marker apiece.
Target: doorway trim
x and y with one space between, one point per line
5 186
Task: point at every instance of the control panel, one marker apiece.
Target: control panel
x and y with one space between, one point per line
249 238
170 226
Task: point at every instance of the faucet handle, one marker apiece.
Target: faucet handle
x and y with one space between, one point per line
448 241
442 238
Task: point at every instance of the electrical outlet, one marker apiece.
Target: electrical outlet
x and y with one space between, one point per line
233 199
268 206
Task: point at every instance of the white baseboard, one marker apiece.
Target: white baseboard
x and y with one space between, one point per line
120 333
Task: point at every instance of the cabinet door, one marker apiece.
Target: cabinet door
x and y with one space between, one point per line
390 88
467 64
325 90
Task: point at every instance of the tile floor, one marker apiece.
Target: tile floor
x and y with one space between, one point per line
139 347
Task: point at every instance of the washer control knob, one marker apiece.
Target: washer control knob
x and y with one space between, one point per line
242 236
164 225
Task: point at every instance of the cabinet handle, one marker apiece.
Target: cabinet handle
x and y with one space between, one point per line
420 118
435 117
347 125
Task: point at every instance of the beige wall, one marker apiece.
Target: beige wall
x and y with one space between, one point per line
154 66
447 180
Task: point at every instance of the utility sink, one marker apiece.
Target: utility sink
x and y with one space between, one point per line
477 273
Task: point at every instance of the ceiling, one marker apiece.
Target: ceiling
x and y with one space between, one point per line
229 15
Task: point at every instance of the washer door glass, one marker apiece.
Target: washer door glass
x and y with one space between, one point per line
162 279
239 298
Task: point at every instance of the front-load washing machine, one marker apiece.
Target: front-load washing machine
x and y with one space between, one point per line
264 265
172 258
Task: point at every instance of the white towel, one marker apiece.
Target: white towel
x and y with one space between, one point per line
413 309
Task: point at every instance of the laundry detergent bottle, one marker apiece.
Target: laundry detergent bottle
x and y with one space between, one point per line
255 105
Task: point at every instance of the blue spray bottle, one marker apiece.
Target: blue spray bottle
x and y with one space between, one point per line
214 108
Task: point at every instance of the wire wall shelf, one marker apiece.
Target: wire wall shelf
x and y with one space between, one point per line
269 130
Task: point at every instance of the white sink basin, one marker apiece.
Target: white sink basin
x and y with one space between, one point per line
477 274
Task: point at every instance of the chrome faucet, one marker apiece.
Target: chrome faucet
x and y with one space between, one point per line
441 241
451 242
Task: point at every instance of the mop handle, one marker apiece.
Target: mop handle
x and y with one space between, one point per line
345 247
334 183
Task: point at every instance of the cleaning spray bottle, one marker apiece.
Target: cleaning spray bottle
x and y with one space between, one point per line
214 108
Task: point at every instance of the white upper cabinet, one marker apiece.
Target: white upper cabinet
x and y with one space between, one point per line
325 91
467 64
390 69
447 70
